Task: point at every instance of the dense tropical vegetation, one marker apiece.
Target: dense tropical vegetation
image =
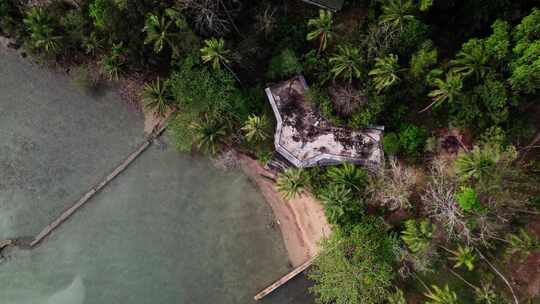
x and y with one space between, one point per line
453 216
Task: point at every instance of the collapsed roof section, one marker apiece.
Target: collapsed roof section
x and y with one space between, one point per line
306 139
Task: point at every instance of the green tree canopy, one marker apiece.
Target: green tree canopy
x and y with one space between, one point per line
526 65
355 267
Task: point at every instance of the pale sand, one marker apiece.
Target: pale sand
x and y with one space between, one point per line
301 220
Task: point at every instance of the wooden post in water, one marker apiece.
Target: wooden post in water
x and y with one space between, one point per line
286 278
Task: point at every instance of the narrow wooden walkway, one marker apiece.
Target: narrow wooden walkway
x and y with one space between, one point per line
286 278
88 195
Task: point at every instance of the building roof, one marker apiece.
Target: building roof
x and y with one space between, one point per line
307 139
333 5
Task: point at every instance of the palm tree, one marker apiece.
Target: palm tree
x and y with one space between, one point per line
160 30
322 29
157 97
217 55
396 12
291 182
447 90
444 295
339 203
157 32
348 175
417 235
385 72
346 63
478 164
42 32
215 52
91 44
472 59
256 128
208 133
523 244
464 256
113 63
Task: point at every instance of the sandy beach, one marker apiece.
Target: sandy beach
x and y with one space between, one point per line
301 220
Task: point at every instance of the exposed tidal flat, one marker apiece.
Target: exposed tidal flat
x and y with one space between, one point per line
170 229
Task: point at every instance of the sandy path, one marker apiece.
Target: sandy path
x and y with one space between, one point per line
301 220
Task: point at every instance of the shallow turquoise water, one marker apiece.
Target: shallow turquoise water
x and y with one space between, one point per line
170 229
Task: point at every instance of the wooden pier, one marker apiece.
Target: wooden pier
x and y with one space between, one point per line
286 278
158 130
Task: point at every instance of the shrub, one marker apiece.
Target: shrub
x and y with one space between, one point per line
284 65
181 132
355 267
391 144
200 90
522 244
101 12
74 24
413 34
423 60
367 115
412 140
468 200
114 63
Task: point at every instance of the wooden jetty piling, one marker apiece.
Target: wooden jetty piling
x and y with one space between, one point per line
286 278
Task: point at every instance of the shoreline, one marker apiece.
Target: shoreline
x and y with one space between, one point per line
301 220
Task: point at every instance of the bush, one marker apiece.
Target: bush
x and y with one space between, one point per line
200 90
368 114
355 267
468 200
284 65
101 12
391 144
423 60
181 132
412 140
413 34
